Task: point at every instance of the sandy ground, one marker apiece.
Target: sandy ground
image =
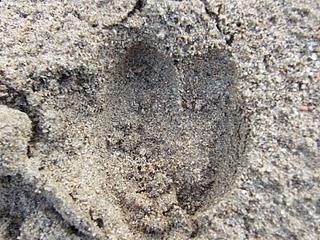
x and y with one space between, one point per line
159 119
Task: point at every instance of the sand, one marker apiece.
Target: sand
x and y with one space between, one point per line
159 120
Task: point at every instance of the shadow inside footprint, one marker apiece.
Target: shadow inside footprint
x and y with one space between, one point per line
147 79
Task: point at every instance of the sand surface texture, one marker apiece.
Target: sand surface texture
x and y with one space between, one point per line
159 119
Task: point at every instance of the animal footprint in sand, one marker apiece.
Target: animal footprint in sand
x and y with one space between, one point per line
154 139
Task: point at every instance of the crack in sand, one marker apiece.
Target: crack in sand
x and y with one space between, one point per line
216 18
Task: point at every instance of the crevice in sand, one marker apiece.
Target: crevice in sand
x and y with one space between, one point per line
138 7
216 17
213 15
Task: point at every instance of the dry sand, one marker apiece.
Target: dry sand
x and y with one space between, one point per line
159 119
